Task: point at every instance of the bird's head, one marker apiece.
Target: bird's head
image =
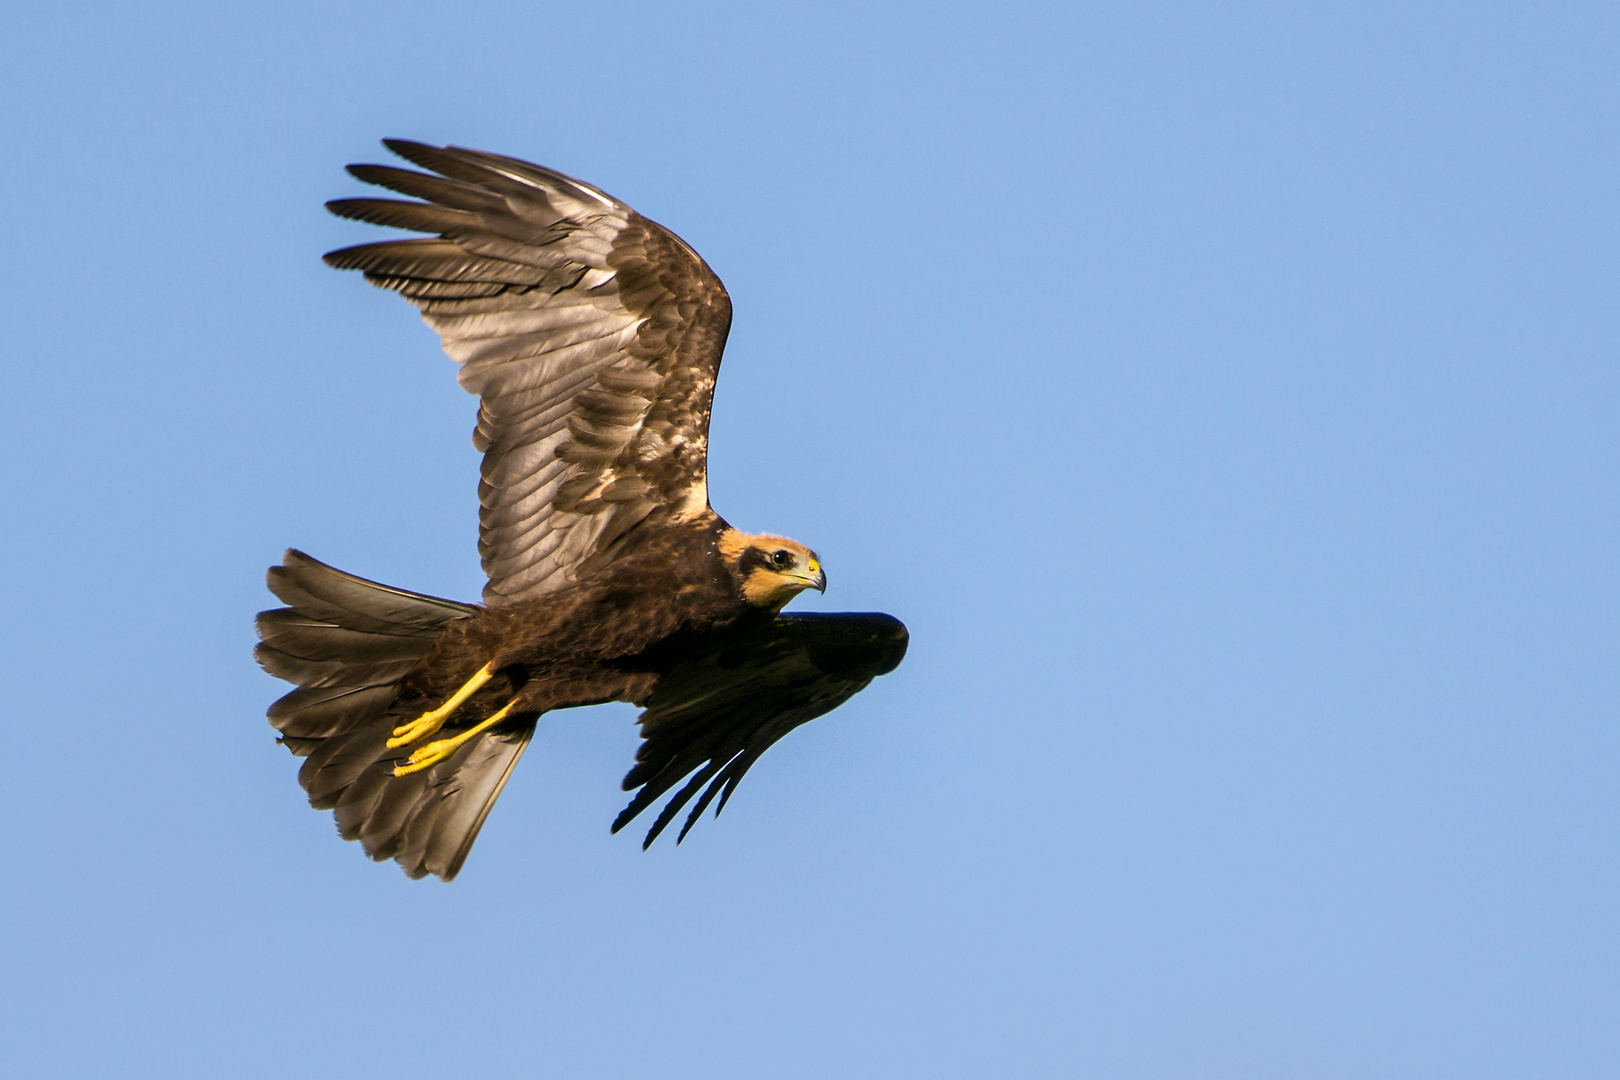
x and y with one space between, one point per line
771 570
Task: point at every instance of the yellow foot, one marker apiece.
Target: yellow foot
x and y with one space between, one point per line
430 722
425 757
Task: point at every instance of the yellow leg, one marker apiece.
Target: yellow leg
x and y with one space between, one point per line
425 757
430 722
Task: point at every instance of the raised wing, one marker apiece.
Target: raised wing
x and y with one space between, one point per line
592 336
718 710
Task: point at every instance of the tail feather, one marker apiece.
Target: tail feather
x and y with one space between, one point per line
324 592
313 673
294 634
346 643
319 712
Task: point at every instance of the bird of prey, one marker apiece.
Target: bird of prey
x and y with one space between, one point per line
592 337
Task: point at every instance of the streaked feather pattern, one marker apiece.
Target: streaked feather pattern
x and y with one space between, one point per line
591 334
592 337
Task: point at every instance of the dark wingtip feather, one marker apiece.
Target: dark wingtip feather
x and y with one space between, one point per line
679 800
410 150
702 805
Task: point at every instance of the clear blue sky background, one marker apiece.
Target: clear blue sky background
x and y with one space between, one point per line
1224 394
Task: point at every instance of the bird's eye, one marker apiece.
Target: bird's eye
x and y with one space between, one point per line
782 558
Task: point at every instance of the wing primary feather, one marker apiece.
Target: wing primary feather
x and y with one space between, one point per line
398 214
678 800
702 804
735 772
456 194
473 166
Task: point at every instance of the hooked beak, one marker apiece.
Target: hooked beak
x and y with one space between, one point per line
815 578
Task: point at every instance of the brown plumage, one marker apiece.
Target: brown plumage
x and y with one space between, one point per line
592 337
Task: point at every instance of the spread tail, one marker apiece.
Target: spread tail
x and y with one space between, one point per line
347 643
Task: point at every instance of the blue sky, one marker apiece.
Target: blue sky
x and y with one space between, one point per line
1224 395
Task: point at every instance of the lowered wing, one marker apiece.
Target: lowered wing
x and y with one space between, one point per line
591 335
717 710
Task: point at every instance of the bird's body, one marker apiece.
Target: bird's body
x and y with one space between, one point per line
598 639
579 644
593 338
